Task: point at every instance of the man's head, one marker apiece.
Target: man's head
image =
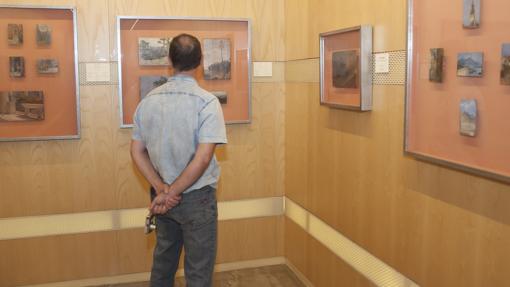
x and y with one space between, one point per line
185 53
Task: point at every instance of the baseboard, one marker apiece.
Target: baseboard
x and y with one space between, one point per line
140 277
298 274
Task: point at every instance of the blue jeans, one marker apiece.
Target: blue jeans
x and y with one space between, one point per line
194 224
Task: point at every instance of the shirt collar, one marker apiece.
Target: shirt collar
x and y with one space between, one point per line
181 77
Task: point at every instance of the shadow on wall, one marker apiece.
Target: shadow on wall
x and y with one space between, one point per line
479 195
352 122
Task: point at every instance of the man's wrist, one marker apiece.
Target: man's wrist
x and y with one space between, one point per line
159 187
170 189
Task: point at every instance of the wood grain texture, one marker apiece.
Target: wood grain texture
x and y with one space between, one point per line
267 19
72 257
306 19
437 226
317 263
96 172
93 30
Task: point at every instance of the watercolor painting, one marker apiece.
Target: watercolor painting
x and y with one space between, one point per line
217 59
468 117
505 64
47 66
43 35
15 34
345 69
222 96
17 67
436 65
149 83
19 106
154 51
470 64
471 17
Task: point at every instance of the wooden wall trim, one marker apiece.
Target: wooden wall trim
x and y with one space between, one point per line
145 276
74 223
378 272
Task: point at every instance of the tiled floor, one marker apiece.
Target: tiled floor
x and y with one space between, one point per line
271 276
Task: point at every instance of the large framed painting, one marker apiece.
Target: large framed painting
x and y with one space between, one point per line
39 94
458 87
345 68
143 46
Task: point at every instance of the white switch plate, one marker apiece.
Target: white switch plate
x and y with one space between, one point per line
382 63
97 72
262 69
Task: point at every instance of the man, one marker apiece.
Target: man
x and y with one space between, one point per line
176 129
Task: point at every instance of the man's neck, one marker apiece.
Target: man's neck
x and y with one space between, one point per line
190 73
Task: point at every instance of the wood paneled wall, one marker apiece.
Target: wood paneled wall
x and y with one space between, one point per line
437 226
96 172
102 254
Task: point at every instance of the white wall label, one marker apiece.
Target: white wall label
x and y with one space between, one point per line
262 69
382 63
97 72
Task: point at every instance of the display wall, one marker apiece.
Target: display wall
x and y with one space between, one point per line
437 226
96 172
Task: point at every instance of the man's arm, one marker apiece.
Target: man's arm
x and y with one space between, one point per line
194 170
189 175
141 158
163 201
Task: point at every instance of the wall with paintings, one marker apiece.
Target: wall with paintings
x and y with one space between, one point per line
437 226
95 173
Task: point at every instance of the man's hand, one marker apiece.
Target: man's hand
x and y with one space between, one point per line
164 202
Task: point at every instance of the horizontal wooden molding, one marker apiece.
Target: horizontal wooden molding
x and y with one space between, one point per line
74 223
361 260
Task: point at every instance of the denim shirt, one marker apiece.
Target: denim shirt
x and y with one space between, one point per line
172 120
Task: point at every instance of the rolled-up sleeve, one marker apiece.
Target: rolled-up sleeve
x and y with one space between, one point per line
211 124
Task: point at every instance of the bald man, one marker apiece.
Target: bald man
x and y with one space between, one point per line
176 130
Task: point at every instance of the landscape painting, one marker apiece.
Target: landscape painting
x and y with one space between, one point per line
47 66
470 64
17 67
222 96
19 106
471 18
468 117
346 69
43 35
505 64
436 65
15 34
149 83
153 51
217 59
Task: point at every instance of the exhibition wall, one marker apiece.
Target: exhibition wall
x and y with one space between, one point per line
433 225
436 226
95 173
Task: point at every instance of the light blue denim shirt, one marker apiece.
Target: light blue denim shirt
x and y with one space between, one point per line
172 120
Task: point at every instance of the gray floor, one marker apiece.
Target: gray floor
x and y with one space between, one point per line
272 276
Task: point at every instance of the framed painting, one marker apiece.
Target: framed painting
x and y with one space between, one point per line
458 91
345 68
143 44
39 95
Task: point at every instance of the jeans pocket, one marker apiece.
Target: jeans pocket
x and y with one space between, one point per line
201 212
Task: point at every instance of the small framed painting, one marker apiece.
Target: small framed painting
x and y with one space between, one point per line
345 68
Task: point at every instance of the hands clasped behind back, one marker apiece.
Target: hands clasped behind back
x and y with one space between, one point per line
164 201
